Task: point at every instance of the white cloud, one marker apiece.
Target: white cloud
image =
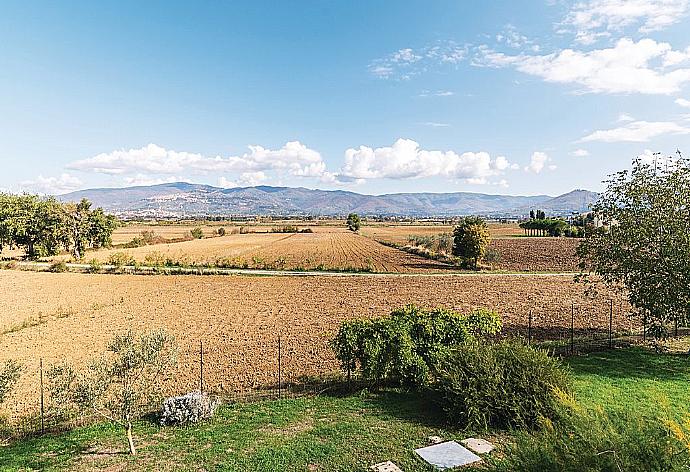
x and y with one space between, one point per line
538 162
637 132
406 160
435 124
593 19
407 62
293 159
683 102
580 153
624 117
436 93
645 66
64 183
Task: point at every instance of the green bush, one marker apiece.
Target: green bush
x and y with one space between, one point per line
507 384
94 266
58 266
120 259
594 441
221 231
197 233
401 347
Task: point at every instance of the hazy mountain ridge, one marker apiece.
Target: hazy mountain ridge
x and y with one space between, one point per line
181 199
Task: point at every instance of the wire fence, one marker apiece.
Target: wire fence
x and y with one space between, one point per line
278 366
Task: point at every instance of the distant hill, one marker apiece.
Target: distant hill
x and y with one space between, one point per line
182 199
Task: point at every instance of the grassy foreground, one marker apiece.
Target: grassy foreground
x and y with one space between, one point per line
338 433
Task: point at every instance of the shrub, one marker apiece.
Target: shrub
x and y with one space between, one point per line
221 231
594 440
285 229
492 256
155 259
58 266
120 259
190 408
471 237
306 230
9 375
507 384
401 347
94 266
197 233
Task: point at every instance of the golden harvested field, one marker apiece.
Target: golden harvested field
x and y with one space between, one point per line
239 318
398 233
325 249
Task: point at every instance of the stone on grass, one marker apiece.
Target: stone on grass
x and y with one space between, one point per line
447 455
435 440
387 466
189 408
479 446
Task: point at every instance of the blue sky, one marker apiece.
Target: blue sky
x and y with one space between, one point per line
515 97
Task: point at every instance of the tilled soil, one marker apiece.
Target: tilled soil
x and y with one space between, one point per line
239 318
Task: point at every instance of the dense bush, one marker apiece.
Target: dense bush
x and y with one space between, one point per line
197 233
120 259
507 384
594 440
58 266
401 347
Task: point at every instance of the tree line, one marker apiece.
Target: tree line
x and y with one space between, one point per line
539 225
45 226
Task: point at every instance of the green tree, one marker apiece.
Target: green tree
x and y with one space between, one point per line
9 375
643 244
221 231
197 233
353 222
121 385
470 239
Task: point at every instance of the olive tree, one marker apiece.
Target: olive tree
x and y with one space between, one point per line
470 239
353 222
642 244
121 385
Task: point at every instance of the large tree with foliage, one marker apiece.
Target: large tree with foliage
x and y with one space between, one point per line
643 243
121 385
470 239
353 222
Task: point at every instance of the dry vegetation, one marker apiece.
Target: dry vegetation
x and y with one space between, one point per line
240 317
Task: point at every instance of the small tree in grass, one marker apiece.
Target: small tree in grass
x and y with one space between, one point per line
197 233
353 222
121 385
470 239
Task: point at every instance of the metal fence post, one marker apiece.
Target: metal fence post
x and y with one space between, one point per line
611 324
42 403
279 369
529 328
201 366
572 329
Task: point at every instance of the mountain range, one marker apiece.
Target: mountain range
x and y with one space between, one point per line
180 199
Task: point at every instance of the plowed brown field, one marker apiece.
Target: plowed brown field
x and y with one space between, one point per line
239 318
536 254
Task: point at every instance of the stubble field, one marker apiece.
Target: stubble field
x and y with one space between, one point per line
239 318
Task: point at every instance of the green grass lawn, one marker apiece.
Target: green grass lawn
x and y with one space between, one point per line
336 433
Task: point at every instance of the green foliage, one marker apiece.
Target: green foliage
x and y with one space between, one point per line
470 239
644 243
155 259
507 384
9 375
594 440
221 231
197 233
94 266
547 227
120 259
401 347
121 385
42 226
58 266
354 223
438 243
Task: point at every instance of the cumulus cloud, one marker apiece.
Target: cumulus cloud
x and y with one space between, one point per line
538 162
155 164
407 62
594 19
645 66
406 160
683 102
637 132
436 93
64 183
624 117
580 153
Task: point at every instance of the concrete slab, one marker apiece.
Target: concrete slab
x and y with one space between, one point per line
447 455
387 466
479 446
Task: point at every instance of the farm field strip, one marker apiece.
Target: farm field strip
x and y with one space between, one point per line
239 318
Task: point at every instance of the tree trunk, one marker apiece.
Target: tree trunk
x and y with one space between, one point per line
132 450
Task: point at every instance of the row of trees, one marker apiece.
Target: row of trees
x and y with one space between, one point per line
45 226
539 225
